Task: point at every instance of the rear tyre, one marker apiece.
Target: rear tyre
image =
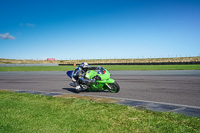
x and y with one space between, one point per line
113 87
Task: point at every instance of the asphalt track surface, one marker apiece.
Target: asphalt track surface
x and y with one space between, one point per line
172 87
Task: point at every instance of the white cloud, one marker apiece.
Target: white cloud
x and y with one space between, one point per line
7 36
27 24
30 25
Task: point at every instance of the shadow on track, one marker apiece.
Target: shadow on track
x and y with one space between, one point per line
74 91
70 89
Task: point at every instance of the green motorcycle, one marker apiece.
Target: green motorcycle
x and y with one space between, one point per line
102 79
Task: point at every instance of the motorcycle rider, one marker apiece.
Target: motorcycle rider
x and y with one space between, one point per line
79 76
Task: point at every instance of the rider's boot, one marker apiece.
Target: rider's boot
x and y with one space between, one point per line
78 88
72 84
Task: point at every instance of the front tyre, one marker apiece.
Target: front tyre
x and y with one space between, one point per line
113 87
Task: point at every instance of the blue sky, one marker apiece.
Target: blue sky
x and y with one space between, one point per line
99 29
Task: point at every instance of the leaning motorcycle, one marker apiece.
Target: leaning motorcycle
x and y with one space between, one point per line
102 80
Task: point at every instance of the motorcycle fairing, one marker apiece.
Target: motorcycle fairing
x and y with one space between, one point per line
69 73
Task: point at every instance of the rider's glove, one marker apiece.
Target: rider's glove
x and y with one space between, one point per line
91 80
97 77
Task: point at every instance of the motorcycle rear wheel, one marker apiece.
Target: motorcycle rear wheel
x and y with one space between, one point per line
114 87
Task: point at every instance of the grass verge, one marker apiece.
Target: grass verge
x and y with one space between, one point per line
38 68
152 67
36 113
108 67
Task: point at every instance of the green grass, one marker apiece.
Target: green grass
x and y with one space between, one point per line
38 68
108 67
26 113
152 67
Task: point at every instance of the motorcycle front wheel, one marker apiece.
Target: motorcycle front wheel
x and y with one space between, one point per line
113 87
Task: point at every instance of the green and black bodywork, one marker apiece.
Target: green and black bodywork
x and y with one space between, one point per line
102 80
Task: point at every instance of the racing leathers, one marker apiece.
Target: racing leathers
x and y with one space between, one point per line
78 78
